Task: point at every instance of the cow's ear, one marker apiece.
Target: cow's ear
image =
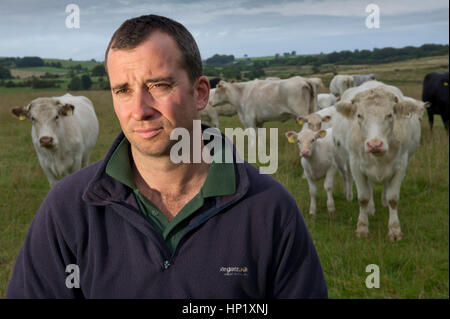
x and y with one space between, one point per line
346 109
326 118
426 104
405 108
291 136
321 133
301 120
20 112
66 109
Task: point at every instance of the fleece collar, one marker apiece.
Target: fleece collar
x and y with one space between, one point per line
102 189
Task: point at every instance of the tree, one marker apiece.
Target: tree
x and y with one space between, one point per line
86 82
29 61
5 73
98 70
75 84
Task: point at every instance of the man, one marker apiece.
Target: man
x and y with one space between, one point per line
138 225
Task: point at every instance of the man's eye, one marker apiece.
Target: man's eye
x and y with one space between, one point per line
160 88
122 91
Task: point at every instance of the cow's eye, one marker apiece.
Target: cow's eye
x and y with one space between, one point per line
33 119
56 117
360 117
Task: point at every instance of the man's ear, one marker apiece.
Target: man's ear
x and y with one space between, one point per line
66 109
202 88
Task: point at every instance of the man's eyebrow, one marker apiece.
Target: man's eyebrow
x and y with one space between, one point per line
120 86
160 79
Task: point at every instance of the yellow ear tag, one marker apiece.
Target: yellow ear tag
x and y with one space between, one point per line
323 133
445 83
300 122
22 117
291 140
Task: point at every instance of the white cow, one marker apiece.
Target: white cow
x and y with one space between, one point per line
377 131
64 132
340 83
320 120
325 100
262 101
318 162
211 114
361 78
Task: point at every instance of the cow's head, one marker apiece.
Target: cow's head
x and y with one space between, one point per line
220 95
313 121
375 112
45 115
305 140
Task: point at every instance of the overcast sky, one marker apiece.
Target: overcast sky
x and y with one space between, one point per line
238 27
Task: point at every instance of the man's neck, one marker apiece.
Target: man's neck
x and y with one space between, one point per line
166 184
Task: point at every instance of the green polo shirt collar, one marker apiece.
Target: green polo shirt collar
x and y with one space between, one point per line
219 182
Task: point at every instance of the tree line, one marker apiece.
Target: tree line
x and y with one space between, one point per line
345 57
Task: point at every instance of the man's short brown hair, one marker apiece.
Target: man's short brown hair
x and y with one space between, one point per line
135 31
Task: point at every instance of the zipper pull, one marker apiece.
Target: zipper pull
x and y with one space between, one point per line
166 264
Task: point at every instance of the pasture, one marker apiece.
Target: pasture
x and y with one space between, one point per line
415 267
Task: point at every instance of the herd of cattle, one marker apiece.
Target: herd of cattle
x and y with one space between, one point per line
364 129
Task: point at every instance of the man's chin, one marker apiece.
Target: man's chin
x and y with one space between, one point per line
153 147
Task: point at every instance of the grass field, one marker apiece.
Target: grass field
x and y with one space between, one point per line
416 267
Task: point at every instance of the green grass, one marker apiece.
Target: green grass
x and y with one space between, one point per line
67 63
415 267
48 69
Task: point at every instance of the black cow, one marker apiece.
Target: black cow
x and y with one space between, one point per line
213 82
435 91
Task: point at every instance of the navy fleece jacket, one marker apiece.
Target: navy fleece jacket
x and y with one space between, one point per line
252 244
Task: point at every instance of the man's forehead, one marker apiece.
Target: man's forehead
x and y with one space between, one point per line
157 44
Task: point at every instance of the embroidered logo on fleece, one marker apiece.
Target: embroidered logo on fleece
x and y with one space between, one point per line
234 271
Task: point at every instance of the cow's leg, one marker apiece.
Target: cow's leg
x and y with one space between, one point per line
348 185
371 206
328 185
364 195
431 120
392 197
312 193
384 201
445 120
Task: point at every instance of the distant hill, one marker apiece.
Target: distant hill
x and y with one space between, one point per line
346 57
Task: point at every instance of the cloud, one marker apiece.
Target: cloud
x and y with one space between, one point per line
253 27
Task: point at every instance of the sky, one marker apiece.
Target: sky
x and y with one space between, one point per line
238 27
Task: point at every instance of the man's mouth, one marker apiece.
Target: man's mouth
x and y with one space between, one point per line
148 133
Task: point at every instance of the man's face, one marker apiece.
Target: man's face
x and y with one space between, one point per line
152 93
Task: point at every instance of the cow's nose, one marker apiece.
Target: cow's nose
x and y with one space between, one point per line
46 141
305 153
374 145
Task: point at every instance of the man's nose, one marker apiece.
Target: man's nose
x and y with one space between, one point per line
143 107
